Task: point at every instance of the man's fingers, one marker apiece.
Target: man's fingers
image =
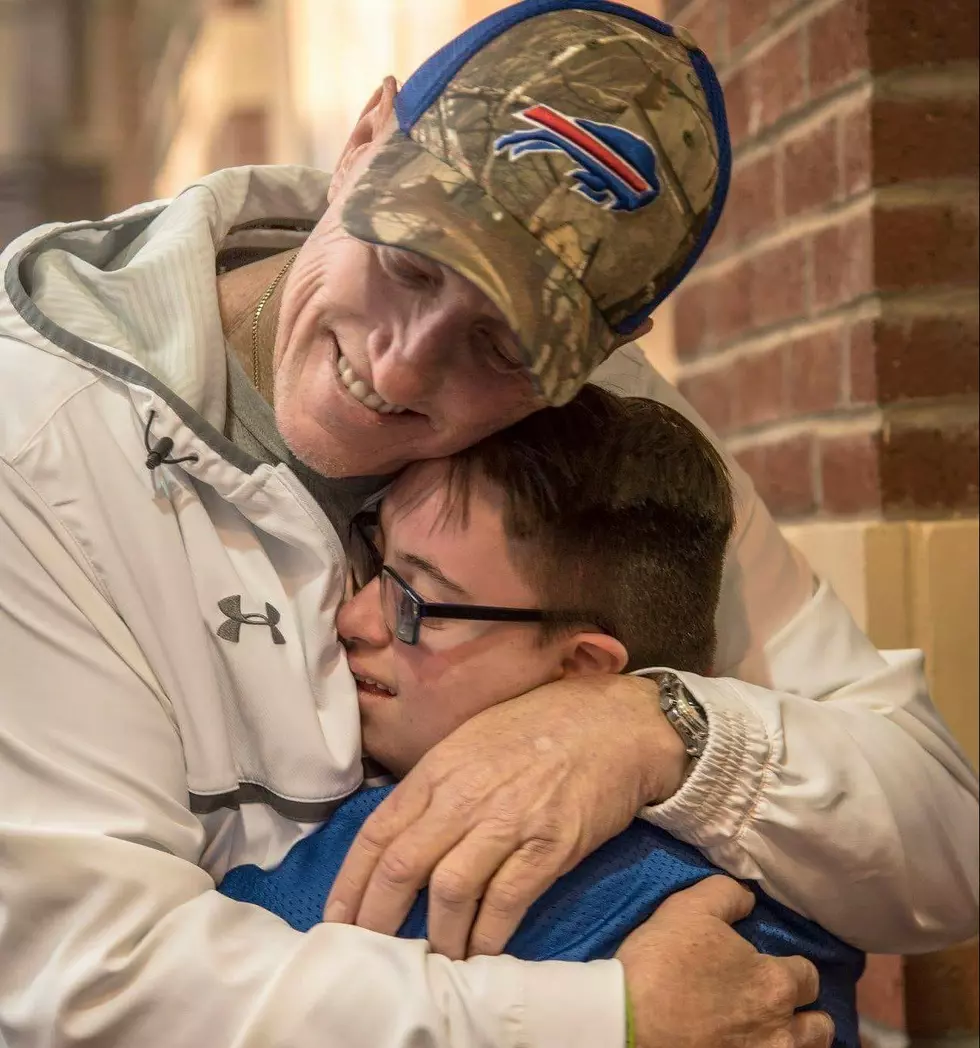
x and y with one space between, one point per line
812 1030
716 896
404 868
460 881
522 879
392 817
803 977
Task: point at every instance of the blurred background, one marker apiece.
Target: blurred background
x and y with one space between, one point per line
829 334
106 103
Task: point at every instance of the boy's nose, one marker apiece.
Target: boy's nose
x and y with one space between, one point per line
361 619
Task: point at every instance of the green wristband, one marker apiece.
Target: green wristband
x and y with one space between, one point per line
630 1030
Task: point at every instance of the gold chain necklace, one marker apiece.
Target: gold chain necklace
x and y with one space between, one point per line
263 302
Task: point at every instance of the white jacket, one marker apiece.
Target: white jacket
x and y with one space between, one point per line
143 753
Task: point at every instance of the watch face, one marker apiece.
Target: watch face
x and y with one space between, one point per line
683 713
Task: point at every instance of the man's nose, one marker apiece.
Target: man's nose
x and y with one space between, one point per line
409 362
361 619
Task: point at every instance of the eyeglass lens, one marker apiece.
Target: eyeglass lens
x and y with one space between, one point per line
401 613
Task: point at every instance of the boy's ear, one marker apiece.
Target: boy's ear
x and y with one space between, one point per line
590 653
374 121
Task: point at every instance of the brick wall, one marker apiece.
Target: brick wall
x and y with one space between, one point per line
830 332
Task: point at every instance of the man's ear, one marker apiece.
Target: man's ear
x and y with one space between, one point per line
374 122
590 653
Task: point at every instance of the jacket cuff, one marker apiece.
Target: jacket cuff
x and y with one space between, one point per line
569 1005
722 790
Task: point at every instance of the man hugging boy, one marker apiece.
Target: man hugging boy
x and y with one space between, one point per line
585 539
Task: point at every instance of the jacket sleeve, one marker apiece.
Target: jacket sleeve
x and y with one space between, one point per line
829 776
110 933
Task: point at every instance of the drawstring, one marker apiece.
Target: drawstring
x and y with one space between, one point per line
161 449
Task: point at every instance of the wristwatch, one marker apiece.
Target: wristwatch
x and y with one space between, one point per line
684 712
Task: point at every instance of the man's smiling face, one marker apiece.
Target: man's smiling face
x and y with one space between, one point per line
382 356
386 358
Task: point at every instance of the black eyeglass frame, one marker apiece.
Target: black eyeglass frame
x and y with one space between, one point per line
409 632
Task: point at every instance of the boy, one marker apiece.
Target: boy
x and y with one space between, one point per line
585 539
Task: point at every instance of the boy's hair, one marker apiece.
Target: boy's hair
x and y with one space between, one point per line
620 508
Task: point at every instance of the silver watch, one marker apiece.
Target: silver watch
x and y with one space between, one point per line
684 713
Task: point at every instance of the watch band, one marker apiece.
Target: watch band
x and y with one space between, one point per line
684 712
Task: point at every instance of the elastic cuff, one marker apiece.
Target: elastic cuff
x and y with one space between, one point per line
569 1005
723 786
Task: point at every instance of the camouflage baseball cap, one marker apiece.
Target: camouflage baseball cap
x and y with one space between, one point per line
569 159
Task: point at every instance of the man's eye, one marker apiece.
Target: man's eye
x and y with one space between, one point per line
414 278
409 274
500 355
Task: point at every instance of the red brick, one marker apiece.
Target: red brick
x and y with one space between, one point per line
778 284
849 473
838 45
737 104
766 88
933 244
702 22
810 169
673 9
692 319
814 372
910 32
930 469
758 388
863 363
752 198
925 138
745 19
842 262
732 303
880 992
711 395
926 357
722 237
783 475
776 82
941 992
780 7
856 152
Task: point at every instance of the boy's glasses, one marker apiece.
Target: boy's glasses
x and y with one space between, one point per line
404 609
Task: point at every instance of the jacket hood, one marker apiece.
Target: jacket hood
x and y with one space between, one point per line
135 295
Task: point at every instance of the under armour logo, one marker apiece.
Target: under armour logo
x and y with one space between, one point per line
231 628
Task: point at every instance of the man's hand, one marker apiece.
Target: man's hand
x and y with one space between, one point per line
695 983
499 810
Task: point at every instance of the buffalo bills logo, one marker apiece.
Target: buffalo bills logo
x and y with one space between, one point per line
619 169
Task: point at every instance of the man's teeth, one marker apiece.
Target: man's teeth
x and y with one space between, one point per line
361 391
374 683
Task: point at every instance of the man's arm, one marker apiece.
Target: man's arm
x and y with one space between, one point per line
109 931
827 764
823 772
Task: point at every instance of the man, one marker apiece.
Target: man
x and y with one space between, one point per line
175 701
584 539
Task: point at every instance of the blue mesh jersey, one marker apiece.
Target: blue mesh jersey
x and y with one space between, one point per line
584 916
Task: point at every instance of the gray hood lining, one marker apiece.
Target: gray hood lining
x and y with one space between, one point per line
115 366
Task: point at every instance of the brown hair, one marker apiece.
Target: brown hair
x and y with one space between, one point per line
620 508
